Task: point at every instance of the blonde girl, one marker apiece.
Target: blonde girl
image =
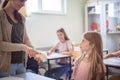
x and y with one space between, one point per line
90 65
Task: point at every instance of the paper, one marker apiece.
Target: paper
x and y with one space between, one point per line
43 57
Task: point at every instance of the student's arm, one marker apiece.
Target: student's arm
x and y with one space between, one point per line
114 54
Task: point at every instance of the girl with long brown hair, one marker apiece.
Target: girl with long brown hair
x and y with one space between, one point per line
90 65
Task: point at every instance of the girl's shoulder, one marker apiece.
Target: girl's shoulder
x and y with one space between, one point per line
69 44
79 59
58 43
84 63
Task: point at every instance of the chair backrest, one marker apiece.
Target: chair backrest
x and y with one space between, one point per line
77 52
115 77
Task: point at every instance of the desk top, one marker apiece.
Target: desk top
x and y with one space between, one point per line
57 56
27 76
113 62
54 55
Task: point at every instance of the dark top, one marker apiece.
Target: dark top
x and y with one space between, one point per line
16 37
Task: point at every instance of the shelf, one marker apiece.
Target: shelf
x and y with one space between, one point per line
107 15
114 32
94 9
93 13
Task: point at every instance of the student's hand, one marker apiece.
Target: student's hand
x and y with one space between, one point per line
33 52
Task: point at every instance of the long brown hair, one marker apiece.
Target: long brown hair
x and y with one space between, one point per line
63 31
17 15
96 56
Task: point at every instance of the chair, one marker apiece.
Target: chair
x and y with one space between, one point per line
77 52
113 72
115 77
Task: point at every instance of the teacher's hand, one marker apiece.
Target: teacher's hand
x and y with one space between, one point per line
38 58
30 51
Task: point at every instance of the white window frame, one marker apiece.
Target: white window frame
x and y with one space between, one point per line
41 11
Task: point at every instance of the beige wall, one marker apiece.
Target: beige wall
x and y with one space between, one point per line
42 27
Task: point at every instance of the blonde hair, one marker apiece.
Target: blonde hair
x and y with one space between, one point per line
96 56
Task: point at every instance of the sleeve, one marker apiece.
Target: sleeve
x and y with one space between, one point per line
8 47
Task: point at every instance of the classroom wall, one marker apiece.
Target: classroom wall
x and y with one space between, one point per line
42 27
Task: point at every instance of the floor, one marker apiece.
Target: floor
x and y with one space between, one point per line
42 71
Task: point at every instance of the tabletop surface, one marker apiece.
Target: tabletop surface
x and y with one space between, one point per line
114 61
54 55
57 55
27 76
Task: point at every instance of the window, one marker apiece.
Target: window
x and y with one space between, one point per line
46 6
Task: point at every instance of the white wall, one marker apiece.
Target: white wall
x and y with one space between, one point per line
42 27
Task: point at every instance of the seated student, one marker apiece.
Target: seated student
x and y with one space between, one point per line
89 66
64 46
